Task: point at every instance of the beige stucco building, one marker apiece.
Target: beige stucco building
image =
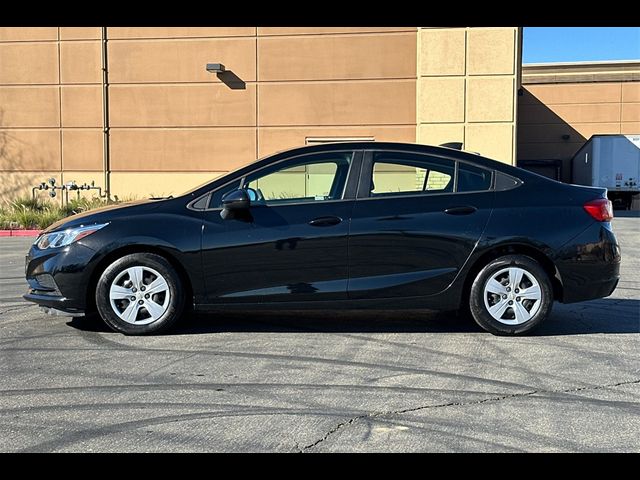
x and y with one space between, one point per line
136 111
563 104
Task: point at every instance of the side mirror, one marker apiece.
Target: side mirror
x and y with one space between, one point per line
236 200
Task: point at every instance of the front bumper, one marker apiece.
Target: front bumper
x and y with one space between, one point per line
59 278
589 265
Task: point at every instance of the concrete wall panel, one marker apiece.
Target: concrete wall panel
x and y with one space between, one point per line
28 63
28 34
571 93
81 62
82 149
337 103
442 51
631 92
630 112
441 99
178 32
181 106
493 140
337 57
80 33
490 99
491 51
186 150
328 30
82 106
29 150
576 113
630 128
550 133
29 107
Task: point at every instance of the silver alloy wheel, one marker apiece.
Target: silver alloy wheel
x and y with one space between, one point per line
139 295
512 296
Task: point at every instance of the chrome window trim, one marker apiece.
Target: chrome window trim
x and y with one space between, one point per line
424 195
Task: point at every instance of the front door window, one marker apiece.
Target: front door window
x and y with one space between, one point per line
308 179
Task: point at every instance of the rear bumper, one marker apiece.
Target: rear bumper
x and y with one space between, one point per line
589 265
590 291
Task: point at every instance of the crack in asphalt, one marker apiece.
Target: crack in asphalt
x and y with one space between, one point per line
17 307
500 398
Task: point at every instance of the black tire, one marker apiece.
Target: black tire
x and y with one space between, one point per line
479 310
163 267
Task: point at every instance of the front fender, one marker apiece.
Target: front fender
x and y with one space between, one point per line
178 237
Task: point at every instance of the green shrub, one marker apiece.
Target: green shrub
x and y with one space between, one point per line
27 213
34 204
47 218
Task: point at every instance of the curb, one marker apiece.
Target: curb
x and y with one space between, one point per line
19 233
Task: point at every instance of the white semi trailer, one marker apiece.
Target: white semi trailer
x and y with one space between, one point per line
612 162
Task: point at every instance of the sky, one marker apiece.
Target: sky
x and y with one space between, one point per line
579 44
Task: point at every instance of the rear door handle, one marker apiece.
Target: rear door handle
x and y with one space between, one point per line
465 210
325 221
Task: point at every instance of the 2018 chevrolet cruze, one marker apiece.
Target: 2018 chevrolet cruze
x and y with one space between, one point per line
361 225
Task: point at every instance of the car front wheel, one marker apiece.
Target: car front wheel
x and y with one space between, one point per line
511 295
139 294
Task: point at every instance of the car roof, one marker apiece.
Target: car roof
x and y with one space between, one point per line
452 153
399 147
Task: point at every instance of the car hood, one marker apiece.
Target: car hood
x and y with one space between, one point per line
106 214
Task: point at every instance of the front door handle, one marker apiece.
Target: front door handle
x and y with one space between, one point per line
325 221
466 210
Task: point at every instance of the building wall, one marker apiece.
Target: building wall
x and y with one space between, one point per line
49 121
575 102
467 84
172 125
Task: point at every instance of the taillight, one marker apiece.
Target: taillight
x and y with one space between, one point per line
600 209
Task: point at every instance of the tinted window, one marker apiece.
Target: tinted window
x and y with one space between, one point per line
406 174
201 203
473 179
506 182
312 178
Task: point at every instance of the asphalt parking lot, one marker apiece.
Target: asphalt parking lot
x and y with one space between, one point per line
328 381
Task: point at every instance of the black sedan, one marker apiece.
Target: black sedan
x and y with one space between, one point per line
344 225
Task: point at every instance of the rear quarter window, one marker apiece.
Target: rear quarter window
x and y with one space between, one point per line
472 178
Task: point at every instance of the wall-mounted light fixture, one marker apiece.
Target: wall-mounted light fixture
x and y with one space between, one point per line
566 136
227 77
215 67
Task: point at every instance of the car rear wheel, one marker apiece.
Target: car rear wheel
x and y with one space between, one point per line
139 294
511 295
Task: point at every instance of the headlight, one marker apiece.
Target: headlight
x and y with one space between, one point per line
65 237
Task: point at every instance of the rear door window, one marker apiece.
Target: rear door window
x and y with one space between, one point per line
410 174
